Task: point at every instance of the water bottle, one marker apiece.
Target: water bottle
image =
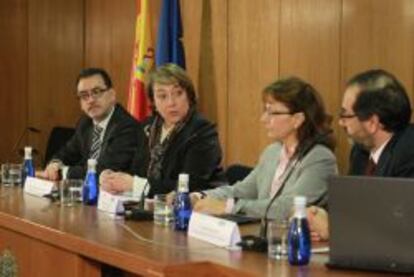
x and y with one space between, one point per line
299 241
28 168
182 205
90 191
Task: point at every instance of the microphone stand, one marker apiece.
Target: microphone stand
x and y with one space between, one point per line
19 140
259 243
139 213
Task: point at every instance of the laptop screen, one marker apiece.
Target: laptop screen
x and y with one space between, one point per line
371 223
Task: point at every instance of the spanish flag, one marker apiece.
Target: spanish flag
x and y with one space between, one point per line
143 60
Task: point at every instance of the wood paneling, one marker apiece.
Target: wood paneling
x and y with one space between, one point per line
378 34
55 45
310 47
109 39
13 74
212 66
36 258
234 48
253 58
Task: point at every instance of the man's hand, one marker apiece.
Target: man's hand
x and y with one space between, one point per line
210 205
318 223
115 182
51 172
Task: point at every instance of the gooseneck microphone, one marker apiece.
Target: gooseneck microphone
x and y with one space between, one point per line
142 196
22 135
139 213
259 243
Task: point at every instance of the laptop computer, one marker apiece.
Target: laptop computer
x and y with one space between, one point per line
371 223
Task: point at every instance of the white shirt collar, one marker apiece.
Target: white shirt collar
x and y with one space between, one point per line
375 155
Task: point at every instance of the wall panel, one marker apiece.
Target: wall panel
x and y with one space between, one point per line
379 34
253 58
234 48
55 41
211 76
13 74
310 47
109 40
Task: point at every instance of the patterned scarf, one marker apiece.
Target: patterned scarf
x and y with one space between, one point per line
158 148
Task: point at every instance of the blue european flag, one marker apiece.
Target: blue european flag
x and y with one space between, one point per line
170 31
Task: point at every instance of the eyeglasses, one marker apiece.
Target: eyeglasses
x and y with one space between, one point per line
343 115
267 112
94 93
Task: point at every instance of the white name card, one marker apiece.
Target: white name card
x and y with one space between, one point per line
110 203
218 231
38 187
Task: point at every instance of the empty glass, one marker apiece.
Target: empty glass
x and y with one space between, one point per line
277 231
11 174
70 192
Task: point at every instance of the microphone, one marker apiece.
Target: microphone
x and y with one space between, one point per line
139 213
259 244
33 129
22 135
142 197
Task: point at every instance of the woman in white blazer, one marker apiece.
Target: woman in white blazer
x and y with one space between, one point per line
299 162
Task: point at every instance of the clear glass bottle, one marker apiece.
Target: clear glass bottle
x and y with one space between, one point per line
182 204
90 191
299 241
28 167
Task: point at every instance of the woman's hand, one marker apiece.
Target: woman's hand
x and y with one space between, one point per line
210 205
115 182
318 223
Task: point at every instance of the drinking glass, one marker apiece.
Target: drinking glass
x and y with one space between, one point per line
277 231
70 192
11 174
163 212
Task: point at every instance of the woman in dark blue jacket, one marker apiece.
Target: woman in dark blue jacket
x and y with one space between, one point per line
180 140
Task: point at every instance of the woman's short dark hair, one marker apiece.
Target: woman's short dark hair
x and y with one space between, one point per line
88 72
300 96
171 74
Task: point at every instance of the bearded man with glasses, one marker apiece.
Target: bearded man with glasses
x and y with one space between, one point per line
106 132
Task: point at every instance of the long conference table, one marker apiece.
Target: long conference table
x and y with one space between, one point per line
46 239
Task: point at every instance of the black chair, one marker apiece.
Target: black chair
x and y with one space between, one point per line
237 172
57 139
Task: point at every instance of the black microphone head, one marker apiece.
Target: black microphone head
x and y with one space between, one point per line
33 129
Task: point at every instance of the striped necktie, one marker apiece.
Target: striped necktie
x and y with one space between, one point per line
96 142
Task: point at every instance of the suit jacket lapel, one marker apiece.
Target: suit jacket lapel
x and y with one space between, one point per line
385 160
270 173
112 124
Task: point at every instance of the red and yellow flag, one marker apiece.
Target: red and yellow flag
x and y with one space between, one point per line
143 60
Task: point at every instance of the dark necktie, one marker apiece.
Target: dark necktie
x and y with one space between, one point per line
96 142
370 168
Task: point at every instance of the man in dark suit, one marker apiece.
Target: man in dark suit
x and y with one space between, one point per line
106 132
375 114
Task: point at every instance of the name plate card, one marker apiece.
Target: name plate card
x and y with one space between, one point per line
110 203
38 187
218 231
